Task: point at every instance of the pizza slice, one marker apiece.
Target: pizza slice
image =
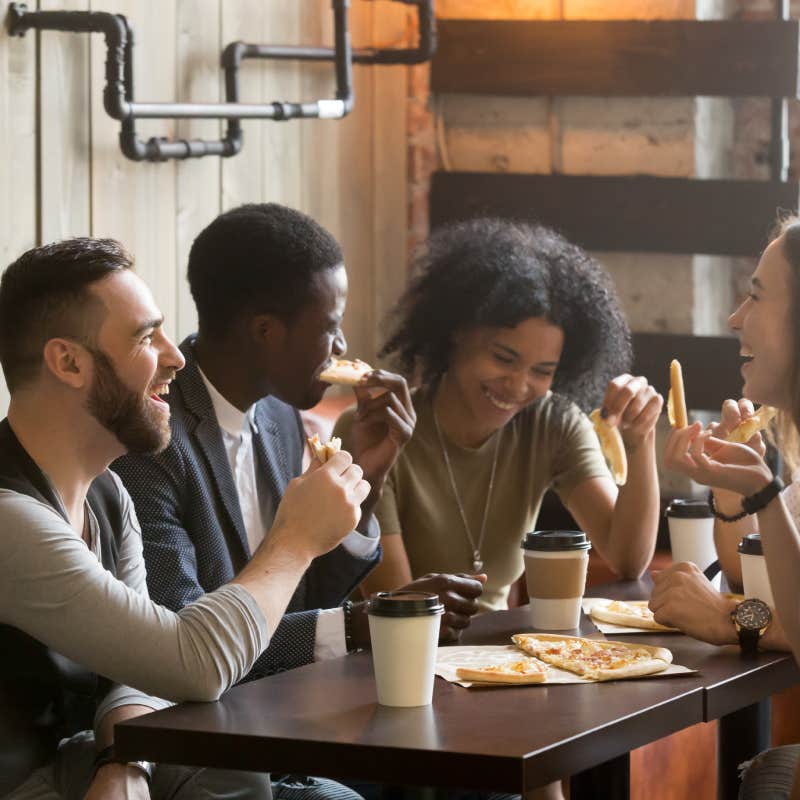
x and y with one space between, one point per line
676 399
324 451
633 613
748 428
612 447
597 660
345 372
528 670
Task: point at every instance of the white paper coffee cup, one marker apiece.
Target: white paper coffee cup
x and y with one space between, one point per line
555 572
404 631
691 532
755 579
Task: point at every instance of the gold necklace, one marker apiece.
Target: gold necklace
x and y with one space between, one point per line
477 559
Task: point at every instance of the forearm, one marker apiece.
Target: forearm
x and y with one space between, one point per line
634 522
272 575
104 730
781 543
727 535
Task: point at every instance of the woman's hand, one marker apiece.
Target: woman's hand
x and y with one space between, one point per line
634 406
714 462
733 413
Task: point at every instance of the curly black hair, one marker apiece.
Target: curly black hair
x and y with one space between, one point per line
497 273
256 258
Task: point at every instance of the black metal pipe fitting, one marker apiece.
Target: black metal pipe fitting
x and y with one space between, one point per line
118 92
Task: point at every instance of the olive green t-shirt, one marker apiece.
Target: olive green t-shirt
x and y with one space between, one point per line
547 445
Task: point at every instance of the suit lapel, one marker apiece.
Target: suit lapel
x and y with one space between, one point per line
209 439
271 453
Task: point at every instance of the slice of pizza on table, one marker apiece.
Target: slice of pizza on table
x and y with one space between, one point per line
597 660
627 613
526 670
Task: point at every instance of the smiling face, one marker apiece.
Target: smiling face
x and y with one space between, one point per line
496 372
133 363
762 323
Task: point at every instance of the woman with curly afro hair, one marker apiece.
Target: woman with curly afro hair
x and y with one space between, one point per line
513 333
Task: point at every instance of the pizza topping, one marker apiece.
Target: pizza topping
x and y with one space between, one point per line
324 451
595 659
345 371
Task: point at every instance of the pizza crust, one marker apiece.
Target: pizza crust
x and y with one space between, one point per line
527 671
748 428
612 447
642 659
676 399
628 613
322 452
345 372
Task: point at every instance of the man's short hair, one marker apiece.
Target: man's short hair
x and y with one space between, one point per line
255 259
44 294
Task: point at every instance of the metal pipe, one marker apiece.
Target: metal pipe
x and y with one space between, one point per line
424 51
118 93
779 114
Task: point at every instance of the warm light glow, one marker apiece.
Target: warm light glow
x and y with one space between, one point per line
565 9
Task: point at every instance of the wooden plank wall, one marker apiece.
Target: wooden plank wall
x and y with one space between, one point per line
64 175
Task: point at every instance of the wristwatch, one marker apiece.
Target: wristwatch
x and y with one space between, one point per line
751 618
106 756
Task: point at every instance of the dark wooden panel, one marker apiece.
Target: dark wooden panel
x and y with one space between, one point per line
710 366
617 58
667 215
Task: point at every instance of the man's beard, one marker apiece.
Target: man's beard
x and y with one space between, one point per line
130 416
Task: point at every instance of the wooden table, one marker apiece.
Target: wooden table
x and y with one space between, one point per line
323 719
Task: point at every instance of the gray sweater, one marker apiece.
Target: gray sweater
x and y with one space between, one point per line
53 588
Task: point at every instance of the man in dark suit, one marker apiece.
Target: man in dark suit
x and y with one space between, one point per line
270 288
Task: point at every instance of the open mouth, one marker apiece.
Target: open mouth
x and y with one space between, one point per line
498 402
160 391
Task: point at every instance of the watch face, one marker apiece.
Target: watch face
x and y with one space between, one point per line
753 614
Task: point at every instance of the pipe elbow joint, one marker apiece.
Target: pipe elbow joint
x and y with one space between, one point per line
232 55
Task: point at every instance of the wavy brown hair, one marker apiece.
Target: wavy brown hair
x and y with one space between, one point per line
788 423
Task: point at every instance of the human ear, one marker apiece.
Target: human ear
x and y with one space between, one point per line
67 361
268 330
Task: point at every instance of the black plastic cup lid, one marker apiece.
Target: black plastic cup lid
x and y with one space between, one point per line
751 545
404 604
689 509
556 541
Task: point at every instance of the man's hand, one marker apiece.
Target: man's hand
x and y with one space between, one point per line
322 506
459 594
118 782
384 421
684 598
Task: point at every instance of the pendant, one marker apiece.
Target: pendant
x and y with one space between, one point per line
477 561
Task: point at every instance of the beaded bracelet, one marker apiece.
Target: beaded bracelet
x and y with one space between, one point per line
750 504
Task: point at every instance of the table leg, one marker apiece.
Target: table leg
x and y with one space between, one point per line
742 734
611 780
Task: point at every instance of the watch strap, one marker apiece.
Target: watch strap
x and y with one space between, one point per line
748 640
107 756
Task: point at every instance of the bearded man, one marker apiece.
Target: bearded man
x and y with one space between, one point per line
83 647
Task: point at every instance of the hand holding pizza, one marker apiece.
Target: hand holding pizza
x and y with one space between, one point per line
733 420
715 462
684 598
383 423
634 406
